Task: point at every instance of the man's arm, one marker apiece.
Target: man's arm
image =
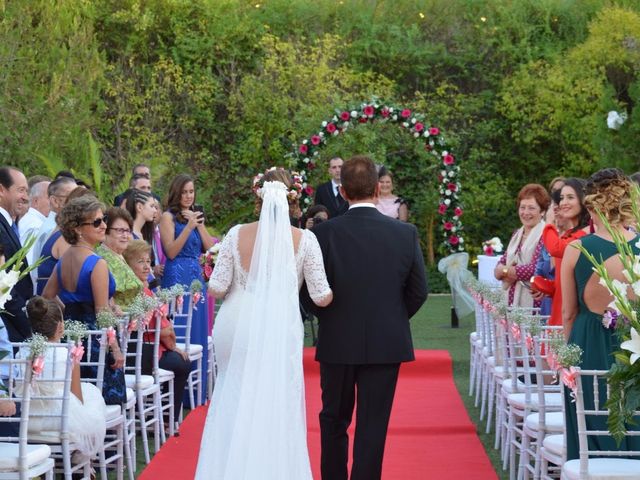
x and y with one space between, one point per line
416 288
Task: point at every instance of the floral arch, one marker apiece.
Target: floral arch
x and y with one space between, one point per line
449 208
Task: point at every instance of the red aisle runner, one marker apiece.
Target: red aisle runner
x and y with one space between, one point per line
430 434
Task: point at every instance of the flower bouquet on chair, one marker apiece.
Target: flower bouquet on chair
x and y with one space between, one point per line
208 260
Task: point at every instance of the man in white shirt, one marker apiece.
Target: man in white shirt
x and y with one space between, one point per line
58 191
29 224
328 194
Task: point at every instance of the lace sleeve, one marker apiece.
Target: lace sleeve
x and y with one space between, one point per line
222 275
314 274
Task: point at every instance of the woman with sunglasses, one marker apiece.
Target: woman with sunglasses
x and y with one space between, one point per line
116 240
84 284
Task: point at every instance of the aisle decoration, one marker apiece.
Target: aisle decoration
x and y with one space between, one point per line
306 156
107 319
37 345
624 319
454 267
196 292
75 331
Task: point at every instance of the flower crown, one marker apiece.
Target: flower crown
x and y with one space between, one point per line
296 184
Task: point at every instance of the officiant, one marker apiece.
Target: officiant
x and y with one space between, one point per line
328 194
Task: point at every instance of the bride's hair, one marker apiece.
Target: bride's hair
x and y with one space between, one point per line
609 192
279 174
44 316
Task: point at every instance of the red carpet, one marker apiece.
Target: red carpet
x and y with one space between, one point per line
430 434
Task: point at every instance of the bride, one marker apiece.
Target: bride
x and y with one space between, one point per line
256 424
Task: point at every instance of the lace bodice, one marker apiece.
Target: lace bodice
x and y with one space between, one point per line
229 274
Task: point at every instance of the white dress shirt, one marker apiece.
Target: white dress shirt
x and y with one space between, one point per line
29 225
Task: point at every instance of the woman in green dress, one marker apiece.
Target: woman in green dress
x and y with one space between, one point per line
119 227
585 300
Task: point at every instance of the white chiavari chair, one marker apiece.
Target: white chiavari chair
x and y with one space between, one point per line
18 458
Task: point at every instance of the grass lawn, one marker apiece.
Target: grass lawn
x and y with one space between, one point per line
432 330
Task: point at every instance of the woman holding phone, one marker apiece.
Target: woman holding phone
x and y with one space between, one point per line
184 238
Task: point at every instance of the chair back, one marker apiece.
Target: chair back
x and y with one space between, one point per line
182 316
17 372
95 355
598 379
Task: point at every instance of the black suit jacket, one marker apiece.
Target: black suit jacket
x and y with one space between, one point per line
376 270
324 196
15 319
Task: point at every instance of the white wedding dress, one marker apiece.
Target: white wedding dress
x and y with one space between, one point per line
256 423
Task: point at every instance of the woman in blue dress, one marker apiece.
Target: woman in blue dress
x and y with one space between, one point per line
184 238
82 281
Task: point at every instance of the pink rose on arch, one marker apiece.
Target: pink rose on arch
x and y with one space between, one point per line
454 240
406 113
419 127
315 140
331 127
368 110
303 149
448 225
452 186
385 112
457 212
442 209
448 159
308 190
345 116
434 131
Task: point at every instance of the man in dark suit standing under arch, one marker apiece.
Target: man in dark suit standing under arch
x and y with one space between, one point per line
328 194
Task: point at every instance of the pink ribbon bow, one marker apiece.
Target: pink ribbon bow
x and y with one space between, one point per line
161 312
111 335
196 300
77 352
515 331
552 360
38 365
568 376
133 325
179 301
529 341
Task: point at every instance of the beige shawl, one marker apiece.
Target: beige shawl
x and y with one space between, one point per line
522 295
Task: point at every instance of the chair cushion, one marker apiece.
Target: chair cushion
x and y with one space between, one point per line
603 469
554 422
145 381
554 444
507 386
165 375
518 400
9 453
131 395
195 350
113 412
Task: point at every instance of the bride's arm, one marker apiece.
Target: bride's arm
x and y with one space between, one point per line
222 275
314 274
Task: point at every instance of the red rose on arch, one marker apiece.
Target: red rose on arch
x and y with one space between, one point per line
303 149
448 225
385 112
453 187
457 212
434 131
331 127
308 190
316 140
363 119
419 127
448 159
406 113
442 209
454 240
368 110
345 116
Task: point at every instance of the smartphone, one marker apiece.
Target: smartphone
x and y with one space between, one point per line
197 208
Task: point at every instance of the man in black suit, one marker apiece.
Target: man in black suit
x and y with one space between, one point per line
14 195
328 194
376 270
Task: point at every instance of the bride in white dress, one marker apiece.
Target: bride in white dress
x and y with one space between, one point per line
256 424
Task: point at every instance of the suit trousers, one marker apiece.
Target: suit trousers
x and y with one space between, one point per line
371 388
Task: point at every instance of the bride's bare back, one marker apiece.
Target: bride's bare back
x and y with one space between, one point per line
247 239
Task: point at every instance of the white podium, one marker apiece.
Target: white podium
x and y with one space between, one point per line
486 266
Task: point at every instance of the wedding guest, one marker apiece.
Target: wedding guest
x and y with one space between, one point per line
316 214
328 194
87 409
573 217
55 246
142 207
83 283
140 179
58 191
14 195
585 300
516 267
30 222
158 253
8 408
138 257
116 240
389 204
184 238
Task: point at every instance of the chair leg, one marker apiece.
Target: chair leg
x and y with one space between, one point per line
472 368
172 412
491 400
488 378
200 379
158 424
479 373
143 429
